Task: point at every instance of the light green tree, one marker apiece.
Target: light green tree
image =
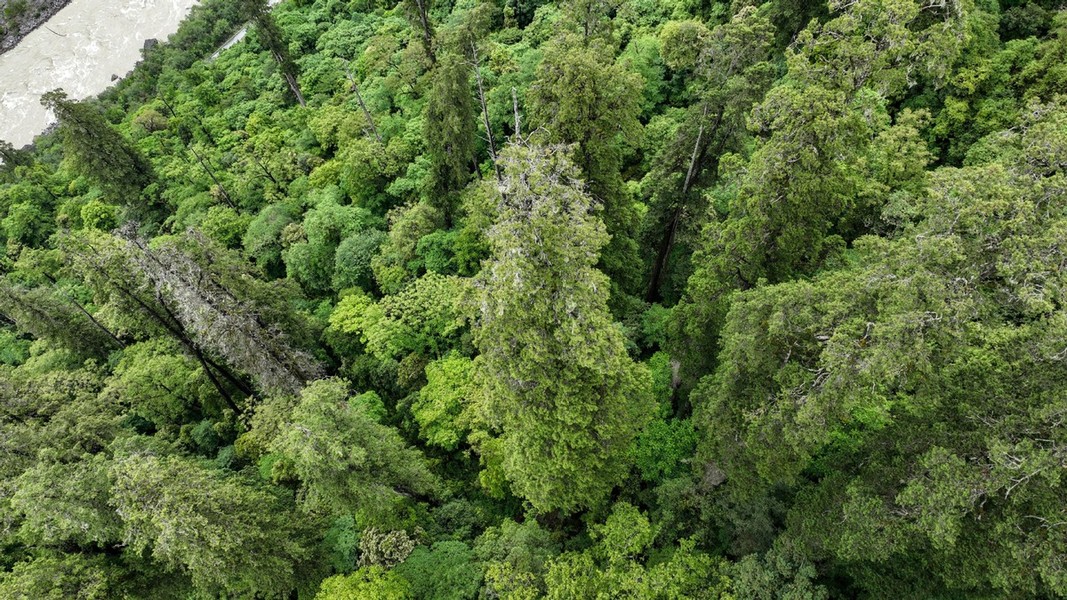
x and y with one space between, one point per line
162 384
312 261
614 567
230 535
422 319
368 583
75 514
516 559
346 460
441 404
59 576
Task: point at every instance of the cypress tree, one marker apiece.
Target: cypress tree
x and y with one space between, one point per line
558 382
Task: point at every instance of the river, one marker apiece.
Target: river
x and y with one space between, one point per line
78 49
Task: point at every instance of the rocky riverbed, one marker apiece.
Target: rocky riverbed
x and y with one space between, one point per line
80 49
19 17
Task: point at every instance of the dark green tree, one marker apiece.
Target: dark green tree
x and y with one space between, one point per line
273 40
582 97
731 70
788 210
346 460
232 536
46 312
104 156
13 157
908 401
559 386
418 12
449 130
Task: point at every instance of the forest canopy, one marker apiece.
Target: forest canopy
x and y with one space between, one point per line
517 299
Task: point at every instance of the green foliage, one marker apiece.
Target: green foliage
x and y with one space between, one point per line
271 37
421 319
516 558
230 536
312 261
100 153
785 210
52 314
344 458
729 72
781 573
626 533
436 251
368 583
398 262
76 512
663 449
26 224
56 576
441 403
581 97
352 260
924 335
161 384
224 225
683 42
445 571
13 351
558 383
384 548
262 239
98 215
609 569
449 130
830 235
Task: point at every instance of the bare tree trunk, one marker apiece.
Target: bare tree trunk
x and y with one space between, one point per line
88 315
196 352
515 107
203 163
696 150
485 112
366 113
263 168
667 243
174 327
427 36
196 117
291 80
363 105
211 173
218 384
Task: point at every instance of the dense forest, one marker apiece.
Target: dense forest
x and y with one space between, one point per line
475 299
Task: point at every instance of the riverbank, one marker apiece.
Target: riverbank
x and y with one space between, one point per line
18 18
80 50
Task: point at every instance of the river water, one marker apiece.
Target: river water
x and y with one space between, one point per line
78 49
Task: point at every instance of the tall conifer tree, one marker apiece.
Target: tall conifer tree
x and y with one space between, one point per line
567 398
